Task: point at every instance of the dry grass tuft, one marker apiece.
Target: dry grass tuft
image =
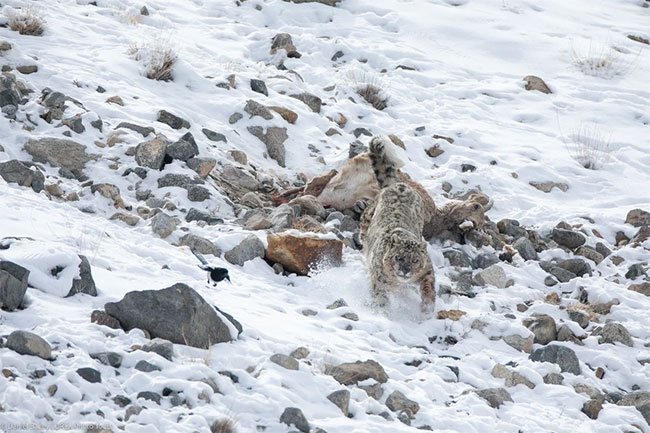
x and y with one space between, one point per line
590 146
26 21
373 96
158 57
601 60
224 425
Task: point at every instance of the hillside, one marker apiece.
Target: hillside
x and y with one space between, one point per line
108 176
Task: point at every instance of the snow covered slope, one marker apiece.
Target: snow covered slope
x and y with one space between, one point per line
453 75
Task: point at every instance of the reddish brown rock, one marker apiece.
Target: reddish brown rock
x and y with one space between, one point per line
300 254
288 115
643 288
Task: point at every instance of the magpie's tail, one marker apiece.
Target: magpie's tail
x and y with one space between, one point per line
200 257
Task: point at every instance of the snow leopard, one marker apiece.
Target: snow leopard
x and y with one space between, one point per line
391 232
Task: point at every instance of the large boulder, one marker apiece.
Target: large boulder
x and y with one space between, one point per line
59 152
200 244
13 285
564 357
178 314
85 283
248 249
354 372
152 153
300 254
28 343
183 149
23 174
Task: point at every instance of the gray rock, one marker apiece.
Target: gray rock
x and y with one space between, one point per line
282 217
613 333
23 174
59 153
300 353
97 124
142 130
214 136
85 283
397 402
75 124
520 343
564 333
146 367
535 83
525 248
197 215
239 177
494 396
312 101
568 238
234 118
251 200
90 374
580 317
353 372
150 395
640 400
162 347
112 359
200 244
198 193
493 275
28 343
256 109
259 86
348 224
293 416
283 41
553 379
638 218
285 361
511 227
602 249
341 399
101 318
562 274
177 314
10 95
512 378
178 180
121 400
375 390
132 411
592 407
457 258
152 153
53 99
256 220
484 260
564 357
634 271
202 166
590 253
248 249
543 326
274 139
13 285
576 266
339 303
163 225
172 120
356 148
183 149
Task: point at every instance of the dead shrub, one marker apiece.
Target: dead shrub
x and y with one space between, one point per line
26 21
158 58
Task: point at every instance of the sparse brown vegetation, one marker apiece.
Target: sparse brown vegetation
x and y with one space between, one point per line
373 96
158 57
26 21
224 425
601 60
589 146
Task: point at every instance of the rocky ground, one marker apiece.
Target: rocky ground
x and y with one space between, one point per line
115 165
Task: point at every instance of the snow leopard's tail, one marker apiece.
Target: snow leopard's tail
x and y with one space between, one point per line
385 161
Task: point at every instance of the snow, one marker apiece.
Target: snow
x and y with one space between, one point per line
470 57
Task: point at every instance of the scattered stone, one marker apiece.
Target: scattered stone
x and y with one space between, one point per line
300 254
564 357
163 225
198 193
549 185
85 283
13 285
639 39
576 266
568 238
146 367
495 397
202 166
150 395
288 115
162 347
152 153
512 378
178 314
109 191
580 317
75 124
590 253
285 361
638 218
561 274
252 200
643 288
484 260
121 400
543 327
28 343
454 315
511 227
397 401
493 275
274 139
341 399
59 153
356 148
339 303
536 83
312 101
642 235
553 379
27 69
90 374
142 130
354 372
525 248
592 407
467 167
259 86
248 249
178 180
634 271
131 411
115 100
283 41
300 353
435 151
129 219
614 332
172 120
183 149
214 136
256 109
457 258
522 344
234 118
293 416
197 215
112 359
309 205
200 244
239 177
101 318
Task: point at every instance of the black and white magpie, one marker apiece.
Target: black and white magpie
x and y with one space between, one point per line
215 274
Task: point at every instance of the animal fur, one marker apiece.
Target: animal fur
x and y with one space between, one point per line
391 232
